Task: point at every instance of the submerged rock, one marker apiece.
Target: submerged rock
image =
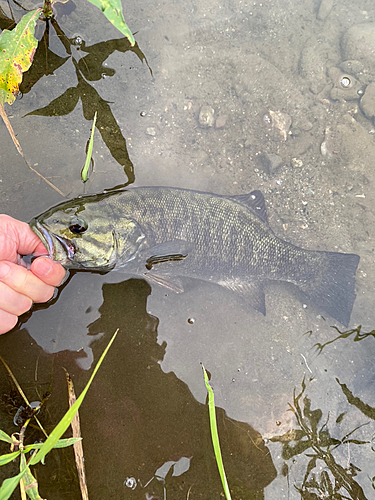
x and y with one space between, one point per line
351 66
345 86
359 43
269 162
279 124
324 9
221 121
367 103
316 56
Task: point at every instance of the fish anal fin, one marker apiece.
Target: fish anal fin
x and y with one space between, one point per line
251 292
255 202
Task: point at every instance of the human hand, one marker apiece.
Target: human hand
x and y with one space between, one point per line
20 287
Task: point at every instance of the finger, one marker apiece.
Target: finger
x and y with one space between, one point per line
7 321
17 235
12 301
23 282
48 271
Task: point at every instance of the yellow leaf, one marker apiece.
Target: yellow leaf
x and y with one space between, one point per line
17 49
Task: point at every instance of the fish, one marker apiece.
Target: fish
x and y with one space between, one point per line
167 235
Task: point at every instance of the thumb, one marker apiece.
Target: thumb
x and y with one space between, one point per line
48 271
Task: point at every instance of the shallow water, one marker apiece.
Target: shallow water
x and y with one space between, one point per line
144 422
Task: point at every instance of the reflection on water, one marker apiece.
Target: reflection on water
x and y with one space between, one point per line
313 439
145 436
346 334
147 418
88 68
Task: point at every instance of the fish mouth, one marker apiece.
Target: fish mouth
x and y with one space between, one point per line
59 249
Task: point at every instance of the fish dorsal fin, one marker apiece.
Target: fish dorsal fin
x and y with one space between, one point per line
255 202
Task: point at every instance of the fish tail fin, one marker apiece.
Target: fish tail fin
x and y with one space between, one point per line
332 286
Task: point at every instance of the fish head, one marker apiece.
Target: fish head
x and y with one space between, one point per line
83 234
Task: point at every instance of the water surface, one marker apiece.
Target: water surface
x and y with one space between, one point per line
285 122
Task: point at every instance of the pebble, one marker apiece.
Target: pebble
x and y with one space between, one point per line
206 117
269 162
352 66
324 9
305 124
323 148
359 43
150 131
221 121
280 125
296 163
367 103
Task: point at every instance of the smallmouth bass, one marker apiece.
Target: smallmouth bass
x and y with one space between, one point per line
165 234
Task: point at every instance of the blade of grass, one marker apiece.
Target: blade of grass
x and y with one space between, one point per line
64 423
89 151
215 435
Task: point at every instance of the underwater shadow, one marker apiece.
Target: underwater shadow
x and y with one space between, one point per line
146 435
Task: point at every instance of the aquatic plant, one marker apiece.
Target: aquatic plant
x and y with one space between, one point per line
215 435
85 170
28 483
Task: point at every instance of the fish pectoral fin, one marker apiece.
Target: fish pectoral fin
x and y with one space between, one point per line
252 292
173 284
255 202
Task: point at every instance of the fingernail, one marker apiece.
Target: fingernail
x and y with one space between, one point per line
4 269
43 266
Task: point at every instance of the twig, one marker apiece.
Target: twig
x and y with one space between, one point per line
78 449
8 125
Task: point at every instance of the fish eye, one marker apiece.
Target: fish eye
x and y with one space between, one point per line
78 226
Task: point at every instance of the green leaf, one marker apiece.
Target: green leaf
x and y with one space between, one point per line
61 443
5 459
64 423
89 151
215 435
29 481
112 9
4 437
17 48
9 485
